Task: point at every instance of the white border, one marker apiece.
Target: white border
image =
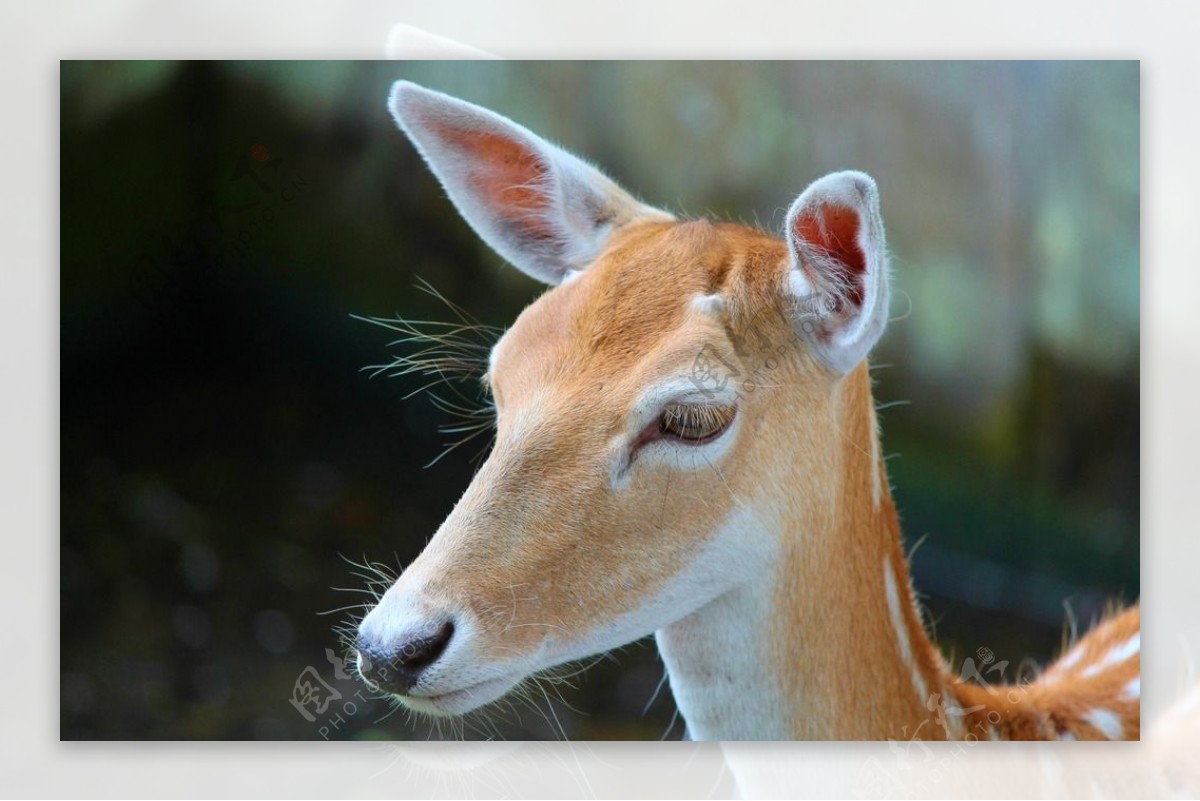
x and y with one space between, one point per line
1159 32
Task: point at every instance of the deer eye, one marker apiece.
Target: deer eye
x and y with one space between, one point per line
695 423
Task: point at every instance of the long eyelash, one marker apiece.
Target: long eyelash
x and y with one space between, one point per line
705 418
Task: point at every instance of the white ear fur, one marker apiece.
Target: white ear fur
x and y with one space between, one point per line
837 280
538 206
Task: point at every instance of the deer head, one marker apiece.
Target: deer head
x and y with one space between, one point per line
665 412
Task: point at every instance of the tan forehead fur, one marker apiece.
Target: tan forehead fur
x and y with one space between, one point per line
632 299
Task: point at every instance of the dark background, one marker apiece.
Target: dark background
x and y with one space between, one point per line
222 451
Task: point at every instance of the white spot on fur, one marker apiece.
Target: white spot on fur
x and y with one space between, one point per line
1106 722
712 305
1133 690
1131 646
1067 736
1068 661
797 286
902 638
1116 656
953 720
492 359
571 275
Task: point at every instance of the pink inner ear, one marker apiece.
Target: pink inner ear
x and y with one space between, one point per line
508 177
833 230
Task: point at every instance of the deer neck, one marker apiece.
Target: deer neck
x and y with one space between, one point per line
829 643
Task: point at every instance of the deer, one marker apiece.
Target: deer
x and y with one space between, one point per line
686 446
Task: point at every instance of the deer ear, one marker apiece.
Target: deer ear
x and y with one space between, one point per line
837 279
538 206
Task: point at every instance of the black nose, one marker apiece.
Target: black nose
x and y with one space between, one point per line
397 669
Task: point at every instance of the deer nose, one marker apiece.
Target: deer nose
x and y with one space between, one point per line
396 668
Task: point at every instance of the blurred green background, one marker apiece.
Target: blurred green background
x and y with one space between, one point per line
221 450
